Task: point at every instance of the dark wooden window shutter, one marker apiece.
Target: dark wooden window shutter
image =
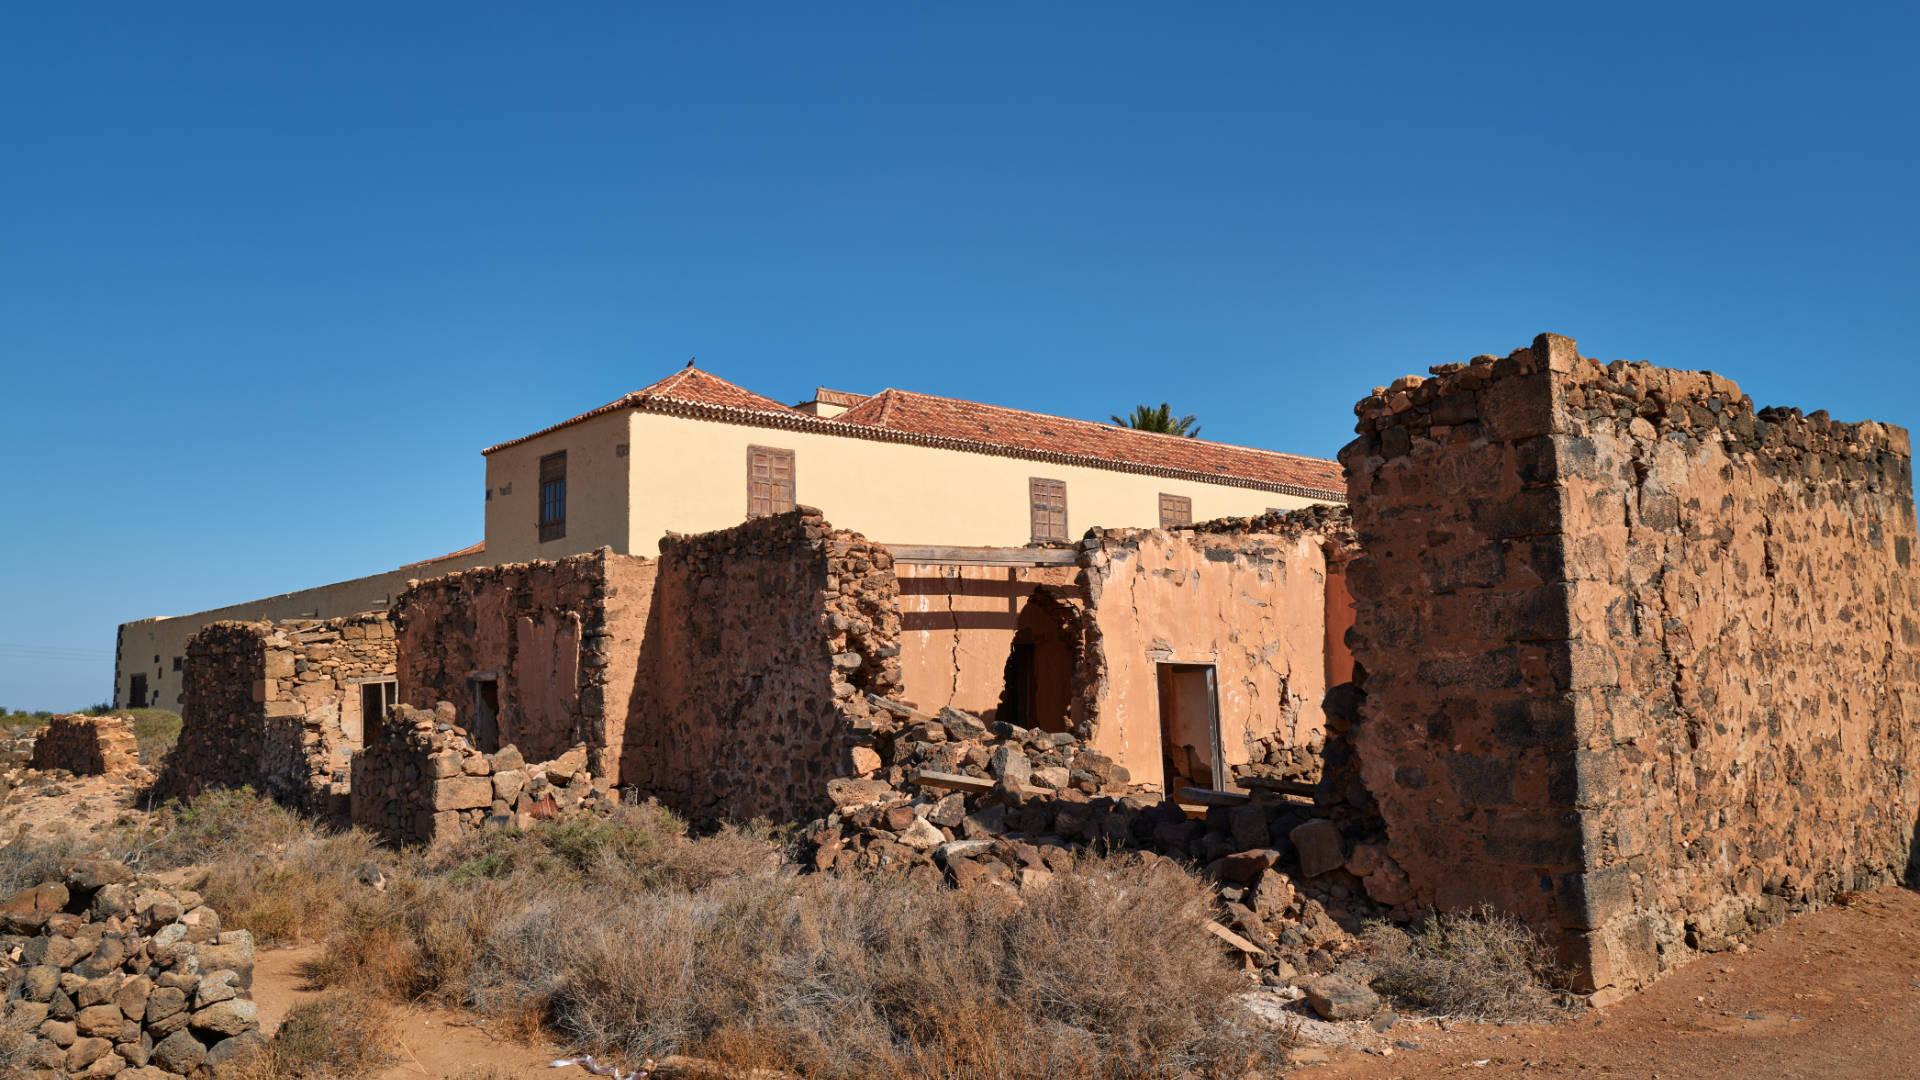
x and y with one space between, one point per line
1048 499
553 496
769 481
1176 511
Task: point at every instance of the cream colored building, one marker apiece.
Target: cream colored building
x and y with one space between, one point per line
693 453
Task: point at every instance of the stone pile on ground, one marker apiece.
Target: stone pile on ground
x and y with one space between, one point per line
422 778
107 975
950 798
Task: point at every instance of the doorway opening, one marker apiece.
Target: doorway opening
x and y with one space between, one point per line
1189 727
137 692
486 714
375 699
1038 687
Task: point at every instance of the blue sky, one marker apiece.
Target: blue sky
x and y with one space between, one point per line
272 275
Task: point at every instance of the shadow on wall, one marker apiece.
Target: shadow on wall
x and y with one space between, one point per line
1037 688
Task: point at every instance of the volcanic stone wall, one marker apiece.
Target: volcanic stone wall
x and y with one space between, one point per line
86 745
765 640
421 778
1639 661
277 706
560 641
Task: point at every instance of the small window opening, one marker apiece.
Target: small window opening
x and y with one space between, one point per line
770 481
1176 511
1048 501
553 496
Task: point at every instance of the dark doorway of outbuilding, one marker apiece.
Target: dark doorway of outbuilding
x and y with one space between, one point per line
486 715
1039 675
1189 727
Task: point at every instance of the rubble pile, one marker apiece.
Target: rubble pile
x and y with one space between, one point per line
108 975
421 778
950 798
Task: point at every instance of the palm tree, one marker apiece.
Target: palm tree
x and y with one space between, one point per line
1161 419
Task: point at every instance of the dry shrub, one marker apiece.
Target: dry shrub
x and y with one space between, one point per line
1104 974
336 1036
1482 964
31 858
267 869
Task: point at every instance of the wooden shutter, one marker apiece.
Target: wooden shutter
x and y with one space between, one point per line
1176 511
769 481
553 496
1048 499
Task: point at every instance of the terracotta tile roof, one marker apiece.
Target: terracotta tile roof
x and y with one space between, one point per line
925 414
926 420
473 549
692 385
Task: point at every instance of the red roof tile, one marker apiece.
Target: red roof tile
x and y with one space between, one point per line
925 414
903 416
473 549
690 384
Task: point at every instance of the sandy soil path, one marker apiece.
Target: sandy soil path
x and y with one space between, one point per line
1835 994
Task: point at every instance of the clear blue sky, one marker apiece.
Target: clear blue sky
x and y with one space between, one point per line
271 275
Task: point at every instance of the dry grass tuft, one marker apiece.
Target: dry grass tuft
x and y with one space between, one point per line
1482 965
337 1036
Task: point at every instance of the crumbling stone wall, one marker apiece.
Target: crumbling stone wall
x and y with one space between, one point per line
1249 596
276 706
1640 661
560 641
765 640
420 778
86 746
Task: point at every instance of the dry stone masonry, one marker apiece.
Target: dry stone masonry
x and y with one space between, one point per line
277 706
421 779
113 976
765 641
1640 660
86 746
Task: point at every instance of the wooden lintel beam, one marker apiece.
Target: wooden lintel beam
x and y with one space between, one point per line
983 556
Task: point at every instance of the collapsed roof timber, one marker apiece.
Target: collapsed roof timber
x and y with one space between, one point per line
1622 655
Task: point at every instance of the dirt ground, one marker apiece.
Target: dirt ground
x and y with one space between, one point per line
1832 994
434 1043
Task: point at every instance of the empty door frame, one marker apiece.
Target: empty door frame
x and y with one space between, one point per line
1189 707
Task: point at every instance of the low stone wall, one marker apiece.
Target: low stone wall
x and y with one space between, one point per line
277 706
1640 660
420 779
764 641
121 977
86 746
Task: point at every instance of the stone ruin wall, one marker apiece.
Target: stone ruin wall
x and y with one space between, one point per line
277 706
1263 600
421 779
1639 661
764 642
958 624
86 746
562 639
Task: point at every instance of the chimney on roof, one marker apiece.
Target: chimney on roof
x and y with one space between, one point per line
690 361
829 403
